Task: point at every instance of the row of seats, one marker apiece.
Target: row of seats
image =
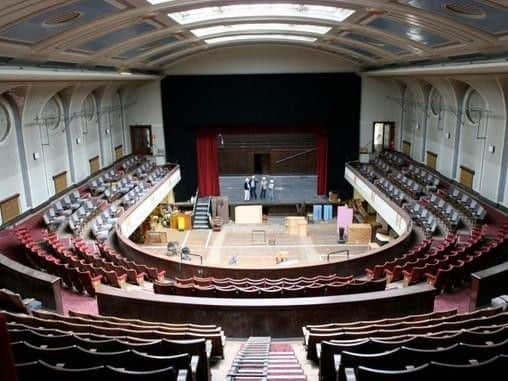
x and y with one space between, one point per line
12 301
409 185
392 191
134 195
58 211
231 291
424 175
423 217
143 170
84 214
444 210
102 325
82 349
467 204
105 222
131 163
40 258
381 165
434 324
99 185
262 282
394 158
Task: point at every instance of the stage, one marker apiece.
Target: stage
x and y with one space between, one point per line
289 190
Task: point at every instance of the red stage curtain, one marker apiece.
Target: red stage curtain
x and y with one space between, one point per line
207 163
322 162
7 370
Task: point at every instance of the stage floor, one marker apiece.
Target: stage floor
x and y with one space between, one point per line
288 189
238 246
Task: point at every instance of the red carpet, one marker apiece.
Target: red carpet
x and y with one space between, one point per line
78 303
459 300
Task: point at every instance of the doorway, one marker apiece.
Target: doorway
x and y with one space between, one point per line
261 163
141 140
383 136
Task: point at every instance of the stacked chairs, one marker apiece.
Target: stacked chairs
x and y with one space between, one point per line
444 210
392 191
12 301
149 273
102 325
71 344
257 361
410 186
466 204
435 325
134 195
83 215
421 215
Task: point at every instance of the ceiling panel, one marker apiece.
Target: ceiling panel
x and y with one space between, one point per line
355 49
414 33
473 13
52 22
148 46
378 43
174 50
120 35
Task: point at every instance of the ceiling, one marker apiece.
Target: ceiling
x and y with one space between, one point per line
154 34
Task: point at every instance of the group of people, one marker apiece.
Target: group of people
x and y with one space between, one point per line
267 188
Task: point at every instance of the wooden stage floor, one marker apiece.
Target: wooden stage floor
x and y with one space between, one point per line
258 245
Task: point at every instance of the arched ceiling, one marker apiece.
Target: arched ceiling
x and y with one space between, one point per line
154 34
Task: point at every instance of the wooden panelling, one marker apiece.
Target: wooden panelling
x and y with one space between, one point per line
431 159
488 284
95 165
406 148
118 152
60 182
466 176
9 208
277 317
282 161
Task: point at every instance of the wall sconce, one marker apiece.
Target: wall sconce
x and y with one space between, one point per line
447 135
492 148
106 131
78 140
36 155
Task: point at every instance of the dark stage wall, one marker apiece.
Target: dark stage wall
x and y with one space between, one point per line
272 101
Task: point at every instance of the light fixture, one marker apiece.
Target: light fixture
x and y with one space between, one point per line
253 27
260 37
311 11
153 2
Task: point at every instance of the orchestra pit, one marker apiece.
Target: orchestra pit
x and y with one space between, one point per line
253 190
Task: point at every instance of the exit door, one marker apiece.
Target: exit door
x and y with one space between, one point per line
261 163
141 140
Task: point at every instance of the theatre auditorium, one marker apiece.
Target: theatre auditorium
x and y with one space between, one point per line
265 190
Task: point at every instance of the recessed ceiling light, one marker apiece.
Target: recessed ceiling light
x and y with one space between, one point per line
259 37
262 10
315 29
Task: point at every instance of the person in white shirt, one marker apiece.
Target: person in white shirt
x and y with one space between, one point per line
263 186
271 190
246 190
252 185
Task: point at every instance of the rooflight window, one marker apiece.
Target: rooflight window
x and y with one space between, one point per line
314 29
262 10
260 37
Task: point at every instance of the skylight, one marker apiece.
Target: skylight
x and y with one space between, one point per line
261 37
315 29
262 10
153 2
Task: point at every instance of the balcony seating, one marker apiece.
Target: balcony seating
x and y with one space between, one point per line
12 301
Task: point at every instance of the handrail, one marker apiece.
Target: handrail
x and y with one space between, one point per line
336 253
195 202
295 155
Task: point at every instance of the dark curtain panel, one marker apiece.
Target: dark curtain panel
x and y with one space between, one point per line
207 163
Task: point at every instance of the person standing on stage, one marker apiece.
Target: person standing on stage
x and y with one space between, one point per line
246 190
252 185
263 187
271 190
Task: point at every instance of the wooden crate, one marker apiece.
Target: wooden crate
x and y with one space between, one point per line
359 233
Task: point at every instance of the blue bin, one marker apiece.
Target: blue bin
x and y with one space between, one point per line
327 213
317 212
